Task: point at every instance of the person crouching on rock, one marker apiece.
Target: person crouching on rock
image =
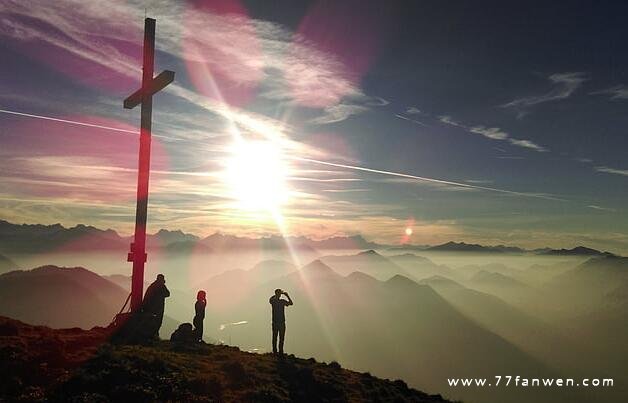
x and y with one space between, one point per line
199 316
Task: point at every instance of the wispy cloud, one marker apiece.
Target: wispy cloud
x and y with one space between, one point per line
527 144
355 104
293 68
413 110
493 133
448 120
614 171
377 101
563 86
338 113
616 92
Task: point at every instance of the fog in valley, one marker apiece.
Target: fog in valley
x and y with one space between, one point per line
419 315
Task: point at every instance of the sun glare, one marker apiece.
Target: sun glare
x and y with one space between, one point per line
256 175
408 231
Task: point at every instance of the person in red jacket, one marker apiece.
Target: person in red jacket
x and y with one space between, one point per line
199 316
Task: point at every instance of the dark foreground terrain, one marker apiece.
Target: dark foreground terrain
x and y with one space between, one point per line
42 364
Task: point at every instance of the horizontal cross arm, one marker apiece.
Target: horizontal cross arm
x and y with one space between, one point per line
159 83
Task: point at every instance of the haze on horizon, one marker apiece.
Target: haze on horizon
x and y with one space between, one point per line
322 119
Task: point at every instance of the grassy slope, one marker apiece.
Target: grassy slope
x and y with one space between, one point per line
38 363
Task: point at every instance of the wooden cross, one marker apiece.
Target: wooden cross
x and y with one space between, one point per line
144 97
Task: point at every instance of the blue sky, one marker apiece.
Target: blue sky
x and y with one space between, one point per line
487 122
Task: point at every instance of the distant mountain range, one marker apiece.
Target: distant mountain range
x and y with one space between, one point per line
476 248
577 251
38 238
466 247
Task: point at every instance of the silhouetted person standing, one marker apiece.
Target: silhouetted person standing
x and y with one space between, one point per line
154 304
199 316
279 317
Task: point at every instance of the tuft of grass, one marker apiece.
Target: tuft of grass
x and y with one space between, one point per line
207 385
236 373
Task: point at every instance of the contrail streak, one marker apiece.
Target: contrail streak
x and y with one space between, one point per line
73 122
424 179
352 167
411 120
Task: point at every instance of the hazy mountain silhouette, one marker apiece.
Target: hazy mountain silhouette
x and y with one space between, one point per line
38 238
465 247
539 274
527 332
33 238
222 242
394 328
369 262
484 277
270 269
421 267
173 242
439 282
73 297
472 269
618 298
167 237
60 297
344 243
363 278
505 287
120 279
186 247
589 300
230 287
587 285
577 251
408 248
7 264
316 270
423 333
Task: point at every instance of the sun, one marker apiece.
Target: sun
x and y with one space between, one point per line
408 231
256 175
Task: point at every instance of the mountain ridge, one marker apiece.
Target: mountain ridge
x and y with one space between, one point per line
79 365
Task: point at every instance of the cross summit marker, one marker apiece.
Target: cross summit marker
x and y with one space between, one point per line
144 97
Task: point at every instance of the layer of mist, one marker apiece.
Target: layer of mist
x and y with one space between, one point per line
423 316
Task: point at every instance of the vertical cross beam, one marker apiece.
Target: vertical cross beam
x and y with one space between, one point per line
144 96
